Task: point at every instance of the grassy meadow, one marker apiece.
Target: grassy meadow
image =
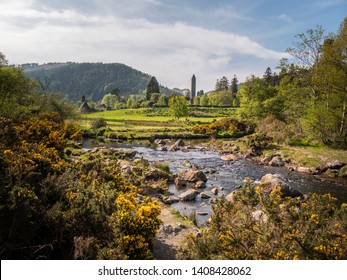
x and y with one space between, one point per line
151 122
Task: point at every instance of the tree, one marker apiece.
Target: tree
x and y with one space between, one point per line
115 91
3 60
196 100
220 98
204 100
153 87
17 93
308 49
130 103
258 100
163 100
234 85
179 106
222 84
109 100
236 102
155 97
328 113
200 93
268 77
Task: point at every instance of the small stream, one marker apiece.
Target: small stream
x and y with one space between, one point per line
228 174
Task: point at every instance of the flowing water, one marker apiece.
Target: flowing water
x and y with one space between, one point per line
228 174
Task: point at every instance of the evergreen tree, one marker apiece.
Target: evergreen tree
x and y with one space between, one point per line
200 93
268 77
153 87
234 85
222 84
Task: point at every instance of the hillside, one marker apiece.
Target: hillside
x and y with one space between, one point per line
90 79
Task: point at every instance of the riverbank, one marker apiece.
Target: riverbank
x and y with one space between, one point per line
145 166
172 233
315 160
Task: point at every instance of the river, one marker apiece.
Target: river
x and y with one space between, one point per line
228 174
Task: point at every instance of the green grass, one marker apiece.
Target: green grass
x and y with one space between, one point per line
313 156
148 122
151 114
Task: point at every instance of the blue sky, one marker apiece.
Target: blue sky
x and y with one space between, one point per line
171 40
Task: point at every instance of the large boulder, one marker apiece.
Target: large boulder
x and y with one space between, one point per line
192 175
302 169
276 161
271 181
178 144
199 185
188 195
169 199
180 183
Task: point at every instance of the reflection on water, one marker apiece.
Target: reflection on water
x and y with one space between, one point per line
226 174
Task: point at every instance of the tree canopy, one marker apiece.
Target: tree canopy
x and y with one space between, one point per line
152 87
309 95
179 106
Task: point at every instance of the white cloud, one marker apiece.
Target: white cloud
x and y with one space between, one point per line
171 52
285 17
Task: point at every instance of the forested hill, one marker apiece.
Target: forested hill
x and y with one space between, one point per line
90 79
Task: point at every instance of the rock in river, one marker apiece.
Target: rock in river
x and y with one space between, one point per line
271 181
230 157
192 175
188 195
178 144
276 161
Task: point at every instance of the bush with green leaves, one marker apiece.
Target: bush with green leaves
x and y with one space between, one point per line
230 127
254 224
55 207
98 123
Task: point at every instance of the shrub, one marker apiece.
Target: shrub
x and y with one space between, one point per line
135 224
258 225
98 123
55 208
224 127
281 131
258 141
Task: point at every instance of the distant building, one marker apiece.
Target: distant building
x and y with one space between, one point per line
193 90
84 108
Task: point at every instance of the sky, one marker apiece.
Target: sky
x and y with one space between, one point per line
171 40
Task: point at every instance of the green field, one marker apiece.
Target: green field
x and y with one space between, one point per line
149 122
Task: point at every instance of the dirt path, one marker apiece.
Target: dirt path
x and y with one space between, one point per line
171 234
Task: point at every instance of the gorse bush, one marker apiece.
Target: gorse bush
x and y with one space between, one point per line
224 127
259 225
135 223
54 207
